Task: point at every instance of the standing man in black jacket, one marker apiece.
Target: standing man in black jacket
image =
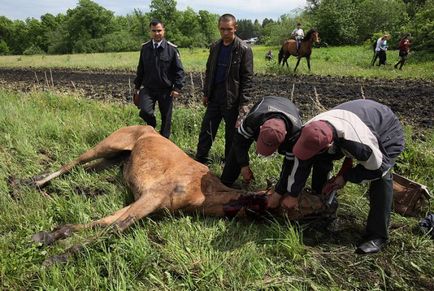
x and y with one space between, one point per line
160 77
274 122
228 77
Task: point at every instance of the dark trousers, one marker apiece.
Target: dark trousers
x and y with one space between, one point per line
380 201
382 57
402 59
215 112
232 169
148 98
380 198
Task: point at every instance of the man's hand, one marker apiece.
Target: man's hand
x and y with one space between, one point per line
273 200
174 94
247 175
333 184
289 202
241 115
205 101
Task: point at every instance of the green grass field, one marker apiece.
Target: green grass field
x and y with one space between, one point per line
42 130
334 61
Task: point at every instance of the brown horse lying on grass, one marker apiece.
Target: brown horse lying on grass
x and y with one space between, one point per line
161 176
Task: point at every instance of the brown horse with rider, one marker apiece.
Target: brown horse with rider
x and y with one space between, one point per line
289 48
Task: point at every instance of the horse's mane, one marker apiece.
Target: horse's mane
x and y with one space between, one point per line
309 33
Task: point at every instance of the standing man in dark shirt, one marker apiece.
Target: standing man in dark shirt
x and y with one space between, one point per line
160 77
228 77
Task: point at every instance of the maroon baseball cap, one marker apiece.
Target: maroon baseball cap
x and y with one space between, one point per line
315 137
271 134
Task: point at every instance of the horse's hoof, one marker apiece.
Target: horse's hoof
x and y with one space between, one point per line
44 237
63 258
36 181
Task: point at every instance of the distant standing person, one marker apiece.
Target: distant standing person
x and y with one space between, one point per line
381 49
404 49
160 77
228 78
298 35
269 55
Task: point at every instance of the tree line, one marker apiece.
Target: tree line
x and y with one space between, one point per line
90 27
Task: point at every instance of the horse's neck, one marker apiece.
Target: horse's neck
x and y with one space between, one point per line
213 187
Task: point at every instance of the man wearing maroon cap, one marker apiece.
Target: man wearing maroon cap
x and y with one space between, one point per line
274 122
367 132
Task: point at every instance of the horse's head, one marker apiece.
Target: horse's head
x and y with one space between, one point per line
313 35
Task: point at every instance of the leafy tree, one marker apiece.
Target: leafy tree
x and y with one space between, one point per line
6 33
209 23
190 32
266 21
380 16
423 26
87 21
138 24
20 41
4 49
245 29
336 21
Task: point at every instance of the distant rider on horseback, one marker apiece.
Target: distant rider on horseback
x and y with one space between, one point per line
298 35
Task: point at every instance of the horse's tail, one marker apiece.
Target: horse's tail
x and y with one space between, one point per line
280 55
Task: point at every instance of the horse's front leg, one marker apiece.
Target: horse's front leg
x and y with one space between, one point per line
298 62
308 62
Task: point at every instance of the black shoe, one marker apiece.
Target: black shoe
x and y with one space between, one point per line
371 246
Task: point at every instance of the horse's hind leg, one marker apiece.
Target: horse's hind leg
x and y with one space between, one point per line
285 60
119 141
122 219
64 231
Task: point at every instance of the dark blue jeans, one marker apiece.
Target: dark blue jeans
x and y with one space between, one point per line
215 112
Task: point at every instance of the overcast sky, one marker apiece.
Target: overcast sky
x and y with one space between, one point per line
242 9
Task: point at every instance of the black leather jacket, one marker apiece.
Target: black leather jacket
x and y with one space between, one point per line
159 70
239 77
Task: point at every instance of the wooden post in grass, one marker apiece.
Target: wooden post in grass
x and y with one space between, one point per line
363 93
46 79
192 85
51 76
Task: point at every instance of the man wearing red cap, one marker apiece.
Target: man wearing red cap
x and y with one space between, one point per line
367 132
274 123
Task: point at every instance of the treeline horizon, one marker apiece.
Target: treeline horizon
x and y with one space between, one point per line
90 28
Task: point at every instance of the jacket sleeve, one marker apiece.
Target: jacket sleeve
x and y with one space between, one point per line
241 146
139 75
370 161
293 175
207 73
246 76
178 71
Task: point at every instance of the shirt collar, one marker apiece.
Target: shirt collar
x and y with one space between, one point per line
159 43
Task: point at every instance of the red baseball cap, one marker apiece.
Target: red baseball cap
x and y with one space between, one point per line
315 137
271 134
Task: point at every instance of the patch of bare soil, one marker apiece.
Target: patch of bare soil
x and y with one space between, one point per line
410 99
